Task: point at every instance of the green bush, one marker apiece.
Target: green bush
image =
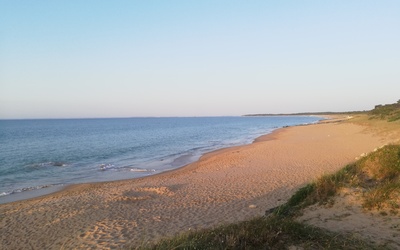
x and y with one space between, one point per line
390 112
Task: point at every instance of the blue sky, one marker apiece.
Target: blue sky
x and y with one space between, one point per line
73 59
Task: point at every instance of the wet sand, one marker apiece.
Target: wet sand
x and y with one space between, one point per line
224 186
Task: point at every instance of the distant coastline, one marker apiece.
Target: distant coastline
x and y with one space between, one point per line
309 113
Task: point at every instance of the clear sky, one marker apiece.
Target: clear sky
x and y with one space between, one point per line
93 58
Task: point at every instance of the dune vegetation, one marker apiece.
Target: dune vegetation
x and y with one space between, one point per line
390 112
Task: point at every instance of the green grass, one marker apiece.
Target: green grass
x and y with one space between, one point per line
383 197
262 233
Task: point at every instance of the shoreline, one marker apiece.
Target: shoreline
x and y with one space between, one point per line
224 186
53 189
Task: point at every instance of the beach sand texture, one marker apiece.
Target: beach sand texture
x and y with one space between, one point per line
225 186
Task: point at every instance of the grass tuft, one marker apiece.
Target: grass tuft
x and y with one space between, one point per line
262 233
296 201
383 197
318 192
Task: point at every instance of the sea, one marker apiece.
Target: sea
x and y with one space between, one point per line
42 156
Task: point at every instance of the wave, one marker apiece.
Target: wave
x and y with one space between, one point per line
142 170
106 167
21 190
49 164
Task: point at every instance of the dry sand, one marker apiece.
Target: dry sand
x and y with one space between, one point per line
224 186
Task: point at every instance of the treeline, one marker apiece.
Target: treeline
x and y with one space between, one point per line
390 112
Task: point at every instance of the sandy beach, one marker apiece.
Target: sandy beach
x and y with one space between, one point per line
224 186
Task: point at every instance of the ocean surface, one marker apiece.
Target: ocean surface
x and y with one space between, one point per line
39 156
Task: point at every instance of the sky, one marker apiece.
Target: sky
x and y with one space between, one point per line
94 58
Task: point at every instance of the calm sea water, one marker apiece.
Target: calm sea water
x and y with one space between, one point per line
38 154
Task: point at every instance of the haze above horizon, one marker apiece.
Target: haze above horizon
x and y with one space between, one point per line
87 59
